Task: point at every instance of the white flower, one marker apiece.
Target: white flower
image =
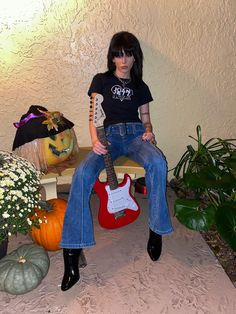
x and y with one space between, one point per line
29 221
13 176
19 194
5 215
7 182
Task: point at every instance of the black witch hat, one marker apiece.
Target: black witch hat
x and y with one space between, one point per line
38 122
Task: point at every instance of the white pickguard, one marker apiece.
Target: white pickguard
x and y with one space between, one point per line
120 199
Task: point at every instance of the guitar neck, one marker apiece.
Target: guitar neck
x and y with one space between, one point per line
111 175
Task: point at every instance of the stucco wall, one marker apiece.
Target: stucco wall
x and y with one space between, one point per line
50 50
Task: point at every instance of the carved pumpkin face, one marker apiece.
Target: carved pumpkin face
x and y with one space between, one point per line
58 148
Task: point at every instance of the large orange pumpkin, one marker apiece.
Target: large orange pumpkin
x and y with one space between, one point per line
49 233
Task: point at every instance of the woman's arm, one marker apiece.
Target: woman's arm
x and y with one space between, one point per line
146 120
98 148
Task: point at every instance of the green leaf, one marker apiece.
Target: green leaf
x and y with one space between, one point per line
2 160
210 178
199 135
226 223
191 215
184 159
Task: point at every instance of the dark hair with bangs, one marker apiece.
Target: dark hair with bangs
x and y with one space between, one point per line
125 42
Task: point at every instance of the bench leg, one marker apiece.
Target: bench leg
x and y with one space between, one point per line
50 187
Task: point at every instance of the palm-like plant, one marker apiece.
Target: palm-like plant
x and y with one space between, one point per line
212 153
210 171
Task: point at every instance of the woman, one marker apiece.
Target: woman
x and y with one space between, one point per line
129 132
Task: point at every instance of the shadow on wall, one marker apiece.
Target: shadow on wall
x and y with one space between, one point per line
181 102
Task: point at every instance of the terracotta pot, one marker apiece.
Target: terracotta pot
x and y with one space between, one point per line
3 248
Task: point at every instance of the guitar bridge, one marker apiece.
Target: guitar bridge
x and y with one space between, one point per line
119 214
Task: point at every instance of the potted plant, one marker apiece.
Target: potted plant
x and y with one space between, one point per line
19 195
209 172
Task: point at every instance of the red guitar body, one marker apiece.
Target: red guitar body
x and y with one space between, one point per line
110 220
117 205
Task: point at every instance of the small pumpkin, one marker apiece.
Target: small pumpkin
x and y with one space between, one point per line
49 234
23 269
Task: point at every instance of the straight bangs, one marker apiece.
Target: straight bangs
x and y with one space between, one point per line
119 52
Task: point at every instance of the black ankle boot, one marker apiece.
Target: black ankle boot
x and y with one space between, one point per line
71 264
154 245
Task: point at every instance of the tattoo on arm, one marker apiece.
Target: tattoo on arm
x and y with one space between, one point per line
148 127
91 109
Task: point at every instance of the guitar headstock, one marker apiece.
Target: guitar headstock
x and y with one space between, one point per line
97 112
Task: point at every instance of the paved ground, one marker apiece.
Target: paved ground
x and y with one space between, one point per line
121 279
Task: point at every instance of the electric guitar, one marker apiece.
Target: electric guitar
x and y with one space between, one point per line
117 205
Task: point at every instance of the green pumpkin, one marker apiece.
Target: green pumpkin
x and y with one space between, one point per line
23 269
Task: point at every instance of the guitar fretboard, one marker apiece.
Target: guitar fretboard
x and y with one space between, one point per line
111 175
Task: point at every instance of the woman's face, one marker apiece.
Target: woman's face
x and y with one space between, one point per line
123 65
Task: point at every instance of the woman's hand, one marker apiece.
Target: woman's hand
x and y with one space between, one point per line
99 148
145 118
150 137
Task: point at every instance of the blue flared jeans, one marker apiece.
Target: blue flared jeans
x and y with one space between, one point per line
125 140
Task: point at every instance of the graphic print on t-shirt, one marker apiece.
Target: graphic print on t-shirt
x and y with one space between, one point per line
121 92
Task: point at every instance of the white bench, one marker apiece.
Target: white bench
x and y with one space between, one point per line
122 165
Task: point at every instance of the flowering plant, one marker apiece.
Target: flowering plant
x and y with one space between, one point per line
19 195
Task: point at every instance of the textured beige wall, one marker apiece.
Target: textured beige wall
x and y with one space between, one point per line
50 50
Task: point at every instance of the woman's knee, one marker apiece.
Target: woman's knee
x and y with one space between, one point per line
157 161
84 172
89 169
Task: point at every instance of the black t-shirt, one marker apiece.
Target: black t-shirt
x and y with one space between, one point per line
120 103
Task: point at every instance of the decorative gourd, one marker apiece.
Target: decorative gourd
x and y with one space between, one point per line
57 148
49 233
23 269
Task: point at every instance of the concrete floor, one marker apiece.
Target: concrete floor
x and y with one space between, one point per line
120 277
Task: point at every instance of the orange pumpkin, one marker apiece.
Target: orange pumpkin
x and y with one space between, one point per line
49 233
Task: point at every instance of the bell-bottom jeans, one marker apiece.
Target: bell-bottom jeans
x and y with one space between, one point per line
125 140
